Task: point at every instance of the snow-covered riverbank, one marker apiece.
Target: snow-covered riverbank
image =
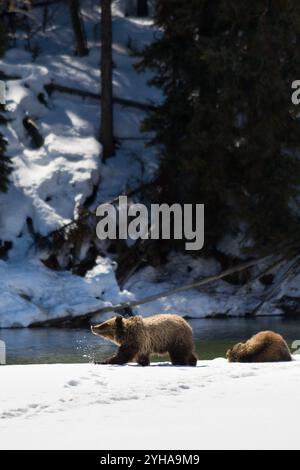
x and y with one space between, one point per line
50 184
214 406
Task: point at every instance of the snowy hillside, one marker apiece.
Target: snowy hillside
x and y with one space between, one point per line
213 406
49 184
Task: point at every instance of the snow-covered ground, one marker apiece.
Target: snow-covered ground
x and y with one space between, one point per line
32 293
48 184
214 406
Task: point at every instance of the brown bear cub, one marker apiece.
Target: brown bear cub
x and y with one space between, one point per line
266 346
139 337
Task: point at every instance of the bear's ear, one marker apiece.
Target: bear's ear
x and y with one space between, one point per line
120 327
119 321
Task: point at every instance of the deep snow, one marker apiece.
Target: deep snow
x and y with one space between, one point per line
214 406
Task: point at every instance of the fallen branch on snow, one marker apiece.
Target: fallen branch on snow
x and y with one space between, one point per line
52 87
80 319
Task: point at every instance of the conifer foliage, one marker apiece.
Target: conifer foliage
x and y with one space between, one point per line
228 130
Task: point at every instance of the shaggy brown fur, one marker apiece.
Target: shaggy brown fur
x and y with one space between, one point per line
266 346
139 337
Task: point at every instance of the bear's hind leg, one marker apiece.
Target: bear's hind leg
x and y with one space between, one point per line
193 360
143 360
179 357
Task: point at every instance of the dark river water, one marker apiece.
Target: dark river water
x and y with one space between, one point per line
212 338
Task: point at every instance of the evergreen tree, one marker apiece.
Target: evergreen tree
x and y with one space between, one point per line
228 130
5 163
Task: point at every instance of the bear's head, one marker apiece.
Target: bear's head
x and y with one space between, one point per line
112 329
233 355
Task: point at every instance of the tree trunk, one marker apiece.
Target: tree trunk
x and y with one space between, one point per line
78 28
142 8
45 17
106 132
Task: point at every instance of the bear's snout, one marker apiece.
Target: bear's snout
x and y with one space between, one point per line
104 329
94 329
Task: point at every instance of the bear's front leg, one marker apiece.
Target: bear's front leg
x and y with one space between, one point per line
124 355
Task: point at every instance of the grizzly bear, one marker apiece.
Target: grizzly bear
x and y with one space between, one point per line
266 346
139 337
